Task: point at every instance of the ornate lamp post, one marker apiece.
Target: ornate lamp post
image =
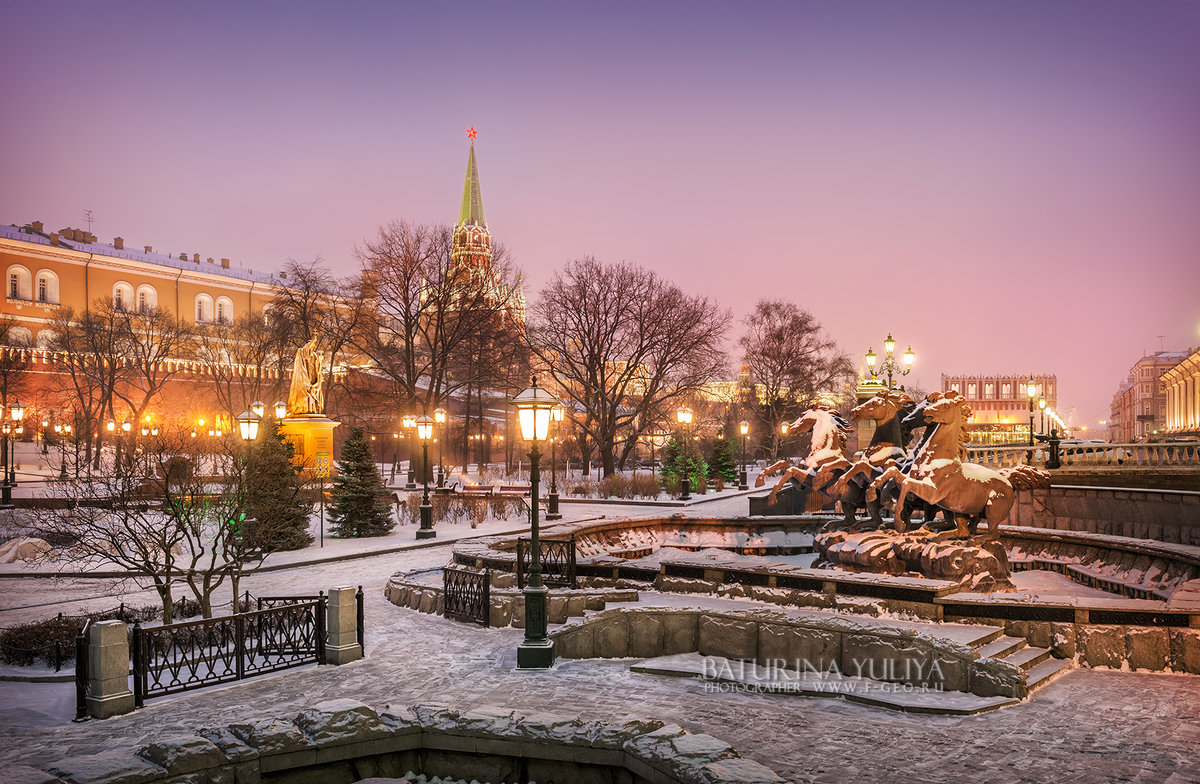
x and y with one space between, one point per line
439 416
17 412
556 415
890 366
5 488
1031 391
683 415
534 406
408 422
744 429
111 426
1042 407
424 424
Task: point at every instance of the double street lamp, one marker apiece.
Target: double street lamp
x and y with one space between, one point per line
683 415
890 366
535 408
16 412
424 425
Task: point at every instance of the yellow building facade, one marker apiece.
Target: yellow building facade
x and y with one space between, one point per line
44 271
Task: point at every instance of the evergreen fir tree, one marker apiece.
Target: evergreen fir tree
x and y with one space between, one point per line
360 502
721 461
276 511
680 459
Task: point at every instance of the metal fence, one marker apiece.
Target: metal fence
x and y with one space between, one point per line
82 684
184 656
557 559
466 595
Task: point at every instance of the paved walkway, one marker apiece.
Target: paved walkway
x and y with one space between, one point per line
1090 726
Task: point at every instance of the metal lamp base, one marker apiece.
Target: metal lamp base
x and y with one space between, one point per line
426 530
535 655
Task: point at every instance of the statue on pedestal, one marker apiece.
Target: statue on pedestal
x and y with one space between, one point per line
306 395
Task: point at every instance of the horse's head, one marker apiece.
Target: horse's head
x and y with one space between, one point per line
916 414
819 418
882 406
946 407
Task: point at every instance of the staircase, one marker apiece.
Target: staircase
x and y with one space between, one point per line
1037 664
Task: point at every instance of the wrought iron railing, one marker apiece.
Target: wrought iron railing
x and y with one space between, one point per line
466 595
184 656
557 560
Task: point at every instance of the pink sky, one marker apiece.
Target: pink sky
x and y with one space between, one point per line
1008 186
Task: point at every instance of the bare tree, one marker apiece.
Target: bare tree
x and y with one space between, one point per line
14 362
622 343
791 361
438 326
242 359
316 304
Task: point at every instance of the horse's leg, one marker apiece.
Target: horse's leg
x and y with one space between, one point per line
960 531
792 471
770 470
998 507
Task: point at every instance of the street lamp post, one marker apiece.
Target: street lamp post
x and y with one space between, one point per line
556 415
439 416
534 406
889 363
408 422
683 415
744 429
424 425
1042 407
1031 391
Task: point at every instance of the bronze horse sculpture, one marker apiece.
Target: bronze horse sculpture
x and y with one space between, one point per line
938 475
826 460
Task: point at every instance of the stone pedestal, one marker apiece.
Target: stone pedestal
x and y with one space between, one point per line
342 621
311 437
976 564
108 670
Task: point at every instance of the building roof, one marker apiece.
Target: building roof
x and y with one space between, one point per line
470 212
27 234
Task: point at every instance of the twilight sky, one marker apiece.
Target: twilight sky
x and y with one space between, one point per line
1009 185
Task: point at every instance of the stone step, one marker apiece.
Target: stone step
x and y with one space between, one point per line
1028 658
1001 647
1043 673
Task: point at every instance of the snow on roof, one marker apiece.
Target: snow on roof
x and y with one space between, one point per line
157 259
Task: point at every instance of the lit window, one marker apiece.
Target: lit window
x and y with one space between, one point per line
14 286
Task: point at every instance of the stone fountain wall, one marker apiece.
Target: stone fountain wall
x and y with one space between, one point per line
1165 515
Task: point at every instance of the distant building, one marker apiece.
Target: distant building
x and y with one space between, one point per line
1181 386
1139 407
1000 405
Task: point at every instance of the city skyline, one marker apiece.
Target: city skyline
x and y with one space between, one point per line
1007 188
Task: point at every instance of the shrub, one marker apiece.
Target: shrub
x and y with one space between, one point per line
645 486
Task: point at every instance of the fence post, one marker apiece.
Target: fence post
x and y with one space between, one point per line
108 670
342 645
359 625
320 627
139 666
81 676
239 642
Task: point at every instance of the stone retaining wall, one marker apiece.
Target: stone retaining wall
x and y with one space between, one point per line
344 741
766 637
1168 516
506 600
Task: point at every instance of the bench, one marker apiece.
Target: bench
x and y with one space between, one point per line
481 491
514 490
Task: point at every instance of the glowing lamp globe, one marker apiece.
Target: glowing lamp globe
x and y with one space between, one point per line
534 410
424 424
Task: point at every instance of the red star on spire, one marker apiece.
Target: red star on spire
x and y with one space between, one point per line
471 132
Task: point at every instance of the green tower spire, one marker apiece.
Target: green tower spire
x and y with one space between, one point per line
471 210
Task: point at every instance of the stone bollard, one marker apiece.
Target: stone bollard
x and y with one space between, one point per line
342 622
108 670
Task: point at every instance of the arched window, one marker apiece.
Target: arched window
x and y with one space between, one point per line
47 287
147 299
46 339
224 310
19 336
122 296
20 283
204 309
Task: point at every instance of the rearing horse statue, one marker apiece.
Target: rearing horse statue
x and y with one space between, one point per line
888 409
939 476
826 460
